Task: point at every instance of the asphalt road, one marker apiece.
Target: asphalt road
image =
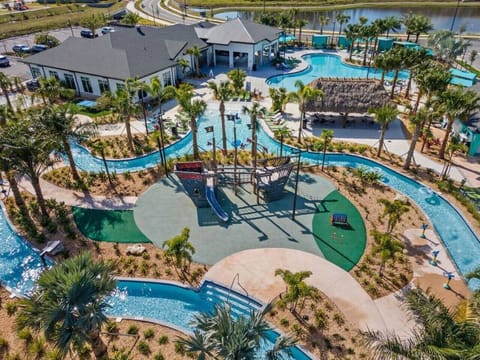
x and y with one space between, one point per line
148 6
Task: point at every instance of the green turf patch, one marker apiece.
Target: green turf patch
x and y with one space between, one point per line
108 225
342 245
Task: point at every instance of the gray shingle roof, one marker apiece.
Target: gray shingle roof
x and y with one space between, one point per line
240 31
126 53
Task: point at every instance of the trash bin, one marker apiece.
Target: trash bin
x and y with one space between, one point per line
174 131
254 67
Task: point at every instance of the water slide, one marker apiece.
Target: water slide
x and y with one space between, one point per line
212 200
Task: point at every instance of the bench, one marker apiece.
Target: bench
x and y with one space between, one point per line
339 219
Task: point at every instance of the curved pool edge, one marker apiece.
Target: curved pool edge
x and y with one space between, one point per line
173 283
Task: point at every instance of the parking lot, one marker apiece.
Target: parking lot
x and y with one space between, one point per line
19 69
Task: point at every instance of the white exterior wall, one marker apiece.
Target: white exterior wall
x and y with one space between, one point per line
250 49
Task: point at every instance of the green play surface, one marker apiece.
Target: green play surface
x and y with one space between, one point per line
342 245
108 225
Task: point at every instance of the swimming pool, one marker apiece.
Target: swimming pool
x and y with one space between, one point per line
328 65
176 305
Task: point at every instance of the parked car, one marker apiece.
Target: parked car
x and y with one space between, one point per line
32 85
21 48
107 29
39 48
4 62
88 34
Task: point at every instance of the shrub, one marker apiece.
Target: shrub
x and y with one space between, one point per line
3 344
149 334
162 340
143 348
338 318
11 308
159 356
37 348
132 330
321 318
179 348
111 327
284 322
25 334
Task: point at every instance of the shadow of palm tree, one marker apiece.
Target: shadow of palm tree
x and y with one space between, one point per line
91 222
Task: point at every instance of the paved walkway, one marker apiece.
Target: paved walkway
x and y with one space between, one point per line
256 270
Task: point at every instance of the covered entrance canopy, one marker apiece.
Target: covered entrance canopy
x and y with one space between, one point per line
242 43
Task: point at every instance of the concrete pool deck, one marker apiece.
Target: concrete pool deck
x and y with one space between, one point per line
165 209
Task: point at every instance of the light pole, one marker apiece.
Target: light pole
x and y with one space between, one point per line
209 129
296 184
235 154
455 15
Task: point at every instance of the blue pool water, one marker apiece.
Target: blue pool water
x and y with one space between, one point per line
175 305
20 264
328 65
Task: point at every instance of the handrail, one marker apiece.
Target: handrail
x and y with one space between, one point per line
230 290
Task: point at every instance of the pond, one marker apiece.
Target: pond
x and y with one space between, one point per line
441 17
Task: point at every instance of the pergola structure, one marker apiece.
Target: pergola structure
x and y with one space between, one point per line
346 96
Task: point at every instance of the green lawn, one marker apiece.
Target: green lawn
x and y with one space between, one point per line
108 225
342 245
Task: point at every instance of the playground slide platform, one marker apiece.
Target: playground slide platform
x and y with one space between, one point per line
212 200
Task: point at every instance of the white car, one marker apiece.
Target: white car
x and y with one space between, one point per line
4 62
107 29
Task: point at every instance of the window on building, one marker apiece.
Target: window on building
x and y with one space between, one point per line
87 86
120 86
70 82
167 78
36 73
103 85
54 74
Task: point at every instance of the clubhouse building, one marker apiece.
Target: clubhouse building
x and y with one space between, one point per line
93 66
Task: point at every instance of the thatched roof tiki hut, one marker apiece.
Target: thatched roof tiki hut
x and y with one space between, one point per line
346 96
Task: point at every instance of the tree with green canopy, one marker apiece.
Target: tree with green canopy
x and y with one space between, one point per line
222 92
180 250
237 77
195 52
297 289
69 304
394 211
386 247
384 116
255 111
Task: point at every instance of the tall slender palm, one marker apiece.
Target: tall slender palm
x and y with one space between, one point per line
237 77
385 246
342 19
454 146
60 121
384 116
382 62
352 32
417 120
124 107
326 136
184 65
394 62
439 334
69 304
422 25
5 84
218 335
367 33
431 78
302 97
412 59
195 52
255 111
222 92
301 23
392 23
393 210
27 146
50 90
323 20
195 109
458 104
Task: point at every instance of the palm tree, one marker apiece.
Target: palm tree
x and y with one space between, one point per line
447 45
237 77
431 78
384 116
458 104
382 62
5 84
342 19
392 23
254 112
195 53
386 246
352 32
422 25
279 97
218 335
60 121
301 23
195 109
439 334
473 56
418 120
296 289
303 96
124 107
393 210
454 146
281 134
326 136
323 20
394 61
27 146
69 303
184 65
99 147
180 250
222 92
367 33
412 59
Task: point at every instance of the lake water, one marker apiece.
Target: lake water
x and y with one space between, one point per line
441 17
